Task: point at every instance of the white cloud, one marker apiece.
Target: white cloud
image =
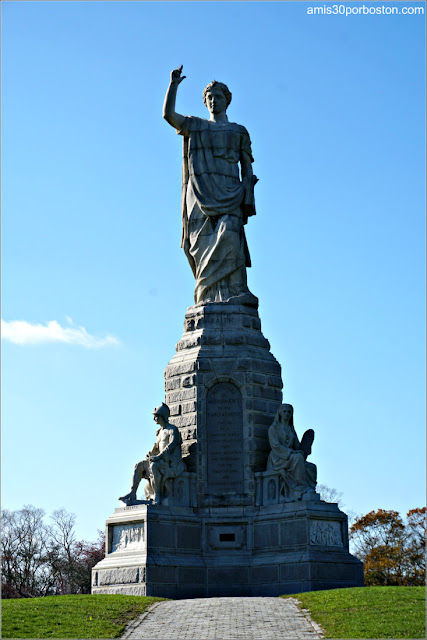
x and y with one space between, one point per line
22 332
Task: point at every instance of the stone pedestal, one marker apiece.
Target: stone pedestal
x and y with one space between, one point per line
176 552
223 388
227 526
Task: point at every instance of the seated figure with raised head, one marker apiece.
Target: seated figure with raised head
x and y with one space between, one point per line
288 455
163 462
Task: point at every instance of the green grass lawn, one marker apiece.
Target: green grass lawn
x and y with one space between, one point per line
91 616
365 612
368 612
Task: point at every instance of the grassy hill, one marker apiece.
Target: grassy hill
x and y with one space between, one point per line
368 612
97 616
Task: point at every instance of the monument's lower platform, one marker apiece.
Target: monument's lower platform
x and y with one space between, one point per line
228 525
183 552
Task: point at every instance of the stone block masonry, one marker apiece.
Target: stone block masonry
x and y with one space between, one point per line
223 388
185 552
226 528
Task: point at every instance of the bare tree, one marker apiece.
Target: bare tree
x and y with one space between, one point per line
40 559
62 543
25 550
415 556
330 495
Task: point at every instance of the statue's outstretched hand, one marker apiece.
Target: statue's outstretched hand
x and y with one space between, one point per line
176 77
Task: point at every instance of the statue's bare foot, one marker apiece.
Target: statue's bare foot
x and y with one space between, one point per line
245 298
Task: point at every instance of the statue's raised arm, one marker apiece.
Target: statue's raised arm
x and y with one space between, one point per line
217 195
169 113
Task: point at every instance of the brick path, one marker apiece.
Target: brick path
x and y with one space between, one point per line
224 618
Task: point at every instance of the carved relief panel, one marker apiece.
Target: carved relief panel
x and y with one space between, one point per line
127 537
326 533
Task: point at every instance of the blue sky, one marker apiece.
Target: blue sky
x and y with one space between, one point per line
91 182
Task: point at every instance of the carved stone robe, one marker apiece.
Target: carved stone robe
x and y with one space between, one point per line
213 203
285 456
170 465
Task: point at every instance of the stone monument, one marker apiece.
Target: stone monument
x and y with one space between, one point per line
231 506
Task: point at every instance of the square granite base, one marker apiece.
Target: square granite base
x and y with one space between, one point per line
182 552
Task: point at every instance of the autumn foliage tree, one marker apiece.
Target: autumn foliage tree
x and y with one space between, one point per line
392 551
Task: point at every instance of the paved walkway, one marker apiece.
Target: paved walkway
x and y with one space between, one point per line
224 618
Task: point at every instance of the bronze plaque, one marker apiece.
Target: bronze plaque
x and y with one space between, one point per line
224 426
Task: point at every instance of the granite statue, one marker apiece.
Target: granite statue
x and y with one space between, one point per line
289 456
216 523
161 464
217 199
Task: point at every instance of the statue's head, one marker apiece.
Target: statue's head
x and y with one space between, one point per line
215 87
285 414
162 412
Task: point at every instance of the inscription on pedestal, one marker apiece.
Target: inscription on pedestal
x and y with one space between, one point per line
224 422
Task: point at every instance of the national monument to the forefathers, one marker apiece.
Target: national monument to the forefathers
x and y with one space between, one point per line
230 504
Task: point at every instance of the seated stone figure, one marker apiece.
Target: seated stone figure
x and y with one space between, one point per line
163 462
288 455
